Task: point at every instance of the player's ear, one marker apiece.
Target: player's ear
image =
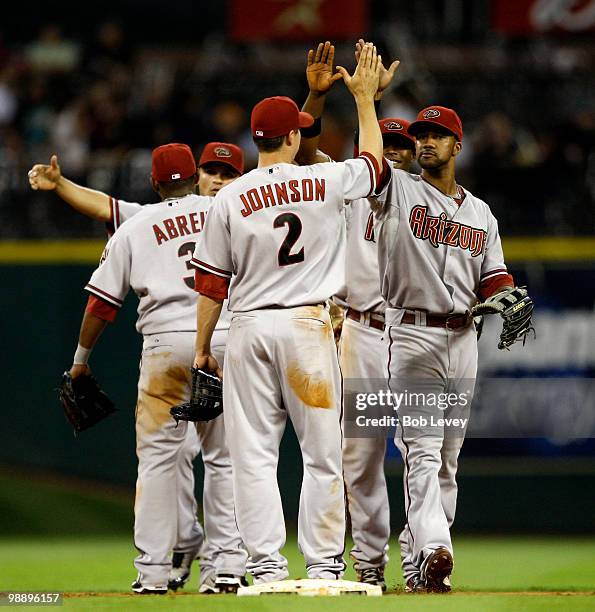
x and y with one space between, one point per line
457 148
154 185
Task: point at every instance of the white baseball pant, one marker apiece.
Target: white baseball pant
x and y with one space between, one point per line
362 357
164 468
280 363
445 360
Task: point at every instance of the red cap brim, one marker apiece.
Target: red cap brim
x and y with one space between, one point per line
418 126
404 141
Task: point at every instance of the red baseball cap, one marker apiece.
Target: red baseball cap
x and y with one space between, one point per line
437 115
223 153
394 126
172 162
277 116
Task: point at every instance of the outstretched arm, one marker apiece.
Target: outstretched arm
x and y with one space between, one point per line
91 203
385 78
319 73
363 85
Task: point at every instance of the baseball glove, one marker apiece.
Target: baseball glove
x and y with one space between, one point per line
206 400
516 308
84 403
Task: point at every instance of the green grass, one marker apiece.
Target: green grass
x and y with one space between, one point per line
61 535
484 566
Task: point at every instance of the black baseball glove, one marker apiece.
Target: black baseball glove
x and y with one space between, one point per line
516 308
206 400
84 403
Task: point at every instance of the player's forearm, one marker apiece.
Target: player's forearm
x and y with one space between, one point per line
208 311
370 138
314 104
307 153
89 202
91 328
377 110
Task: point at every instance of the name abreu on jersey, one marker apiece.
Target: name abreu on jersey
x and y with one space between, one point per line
162 278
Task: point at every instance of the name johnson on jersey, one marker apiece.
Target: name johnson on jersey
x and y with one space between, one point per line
277 194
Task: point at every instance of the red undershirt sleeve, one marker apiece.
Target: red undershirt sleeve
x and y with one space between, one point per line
213 286
385 175
492 285
101 309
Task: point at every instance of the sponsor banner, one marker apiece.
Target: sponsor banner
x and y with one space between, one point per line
557 409
297 19
539 16
564 342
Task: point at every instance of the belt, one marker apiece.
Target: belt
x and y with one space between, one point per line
369 319
454 321
277 307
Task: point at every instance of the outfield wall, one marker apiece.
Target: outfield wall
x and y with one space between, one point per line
43 306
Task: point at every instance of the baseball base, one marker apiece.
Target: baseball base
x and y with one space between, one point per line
312 588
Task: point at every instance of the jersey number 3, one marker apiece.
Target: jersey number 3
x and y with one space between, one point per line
186 250
284 256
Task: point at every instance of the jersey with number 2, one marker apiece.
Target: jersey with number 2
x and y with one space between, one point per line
279 231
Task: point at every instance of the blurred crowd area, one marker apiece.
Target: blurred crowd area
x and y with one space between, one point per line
102 100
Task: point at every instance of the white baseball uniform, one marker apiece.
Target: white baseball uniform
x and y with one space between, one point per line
188 524
120 212
362 357
437 254
151 254
279 231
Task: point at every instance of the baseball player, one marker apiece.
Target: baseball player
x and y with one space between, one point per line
361 349
158 453
439 252
278 231
361 356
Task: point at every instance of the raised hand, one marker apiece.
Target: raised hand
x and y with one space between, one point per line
386 76
319 71
364 81
45 177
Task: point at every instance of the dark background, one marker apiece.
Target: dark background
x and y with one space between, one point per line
132 75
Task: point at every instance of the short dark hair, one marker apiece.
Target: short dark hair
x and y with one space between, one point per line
268 145
176 187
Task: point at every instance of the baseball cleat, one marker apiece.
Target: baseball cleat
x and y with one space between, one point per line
415 585
436 571
372 575
180 570
149 589
228 583
208 587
